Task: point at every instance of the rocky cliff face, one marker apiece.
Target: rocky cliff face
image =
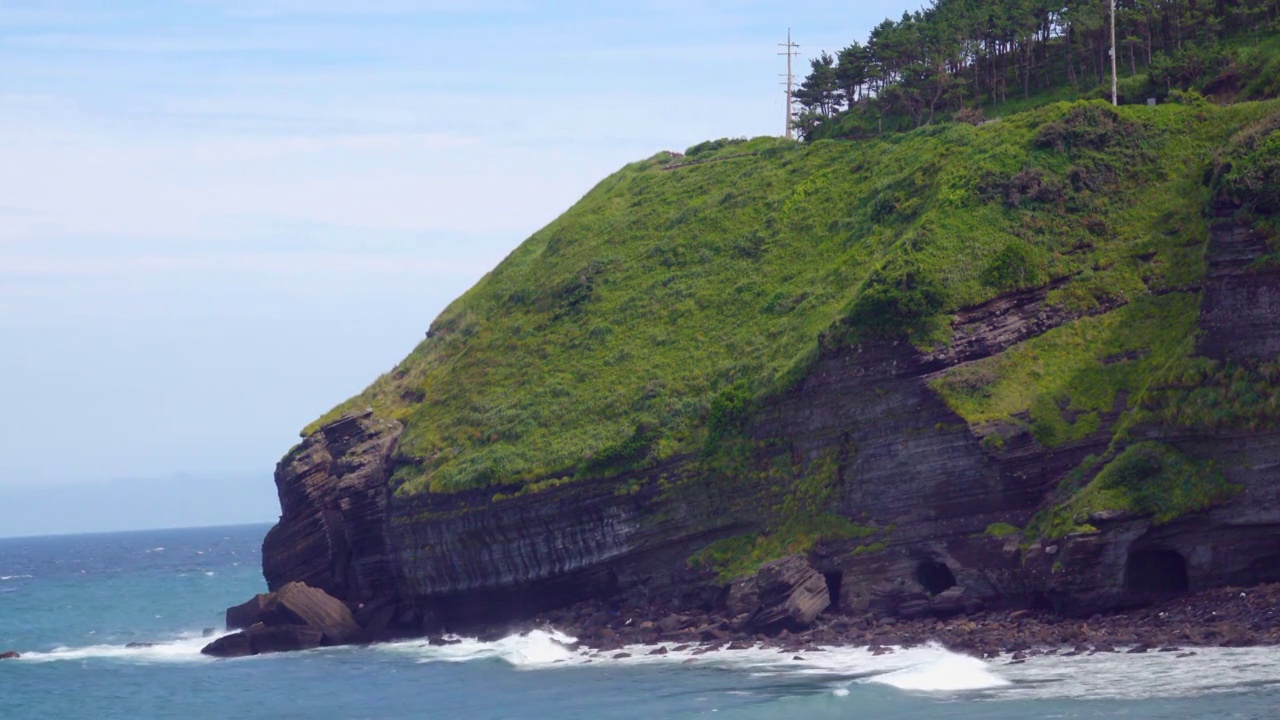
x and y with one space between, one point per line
333 529
906 463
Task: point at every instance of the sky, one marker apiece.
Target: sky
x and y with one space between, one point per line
219 218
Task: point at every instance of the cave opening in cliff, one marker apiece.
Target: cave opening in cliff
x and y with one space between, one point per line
935 577
1156 571
833 588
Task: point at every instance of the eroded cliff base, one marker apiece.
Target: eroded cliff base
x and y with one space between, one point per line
1223 617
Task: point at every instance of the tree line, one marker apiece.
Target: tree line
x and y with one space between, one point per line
957 54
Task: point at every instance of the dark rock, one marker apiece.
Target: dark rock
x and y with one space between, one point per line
229 646
250 612
789 594
333 492
135 645
1139 649
659 651
621 656
301 604
10 655
284 638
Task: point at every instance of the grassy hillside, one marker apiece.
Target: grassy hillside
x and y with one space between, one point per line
665 295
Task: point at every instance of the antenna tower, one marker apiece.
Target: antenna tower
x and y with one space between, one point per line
789 49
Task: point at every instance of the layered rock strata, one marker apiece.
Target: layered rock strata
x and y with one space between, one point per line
906 463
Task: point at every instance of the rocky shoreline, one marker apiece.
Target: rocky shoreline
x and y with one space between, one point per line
1222 617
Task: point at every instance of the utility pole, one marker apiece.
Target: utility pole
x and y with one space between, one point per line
1115 83
789 49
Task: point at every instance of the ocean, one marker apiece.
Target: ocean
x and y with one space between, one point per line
71 604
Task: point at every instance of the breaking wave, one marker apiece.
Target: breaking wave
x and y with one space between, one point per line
186 648
950 673
925 669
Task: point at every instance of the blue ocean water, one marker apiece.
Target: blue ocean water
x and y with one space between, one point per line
71 604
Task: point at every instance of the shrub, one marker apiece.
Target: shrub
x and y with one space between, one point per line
900 305
1015 267
1246 173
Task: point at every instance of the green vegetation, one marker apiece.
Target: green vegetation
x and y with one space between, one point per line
965 59
1000 530
795 510
742 555
1147 479
1200 392
1246 174
650 319
1061 383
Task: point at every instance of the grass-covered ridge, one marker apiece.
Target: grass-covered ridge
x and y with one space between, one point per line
610 338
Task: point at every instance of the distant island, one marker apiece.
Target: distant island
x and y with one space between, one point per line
982 350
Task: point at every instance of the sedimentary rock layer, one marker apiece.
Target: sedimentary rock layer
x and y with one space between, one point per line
905 463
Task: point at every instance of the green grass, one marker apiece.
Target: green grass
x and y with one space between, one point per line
1001 530
1061 383
742 555
1146 479
647 321
1204 393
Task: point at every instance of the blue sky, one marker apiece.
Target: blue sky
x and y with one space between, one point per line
218 218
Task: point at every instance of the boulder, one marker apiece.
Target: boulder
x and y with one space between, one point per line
284 638
229 646
247 614
301 604
262 639
11 655
296 617
789 594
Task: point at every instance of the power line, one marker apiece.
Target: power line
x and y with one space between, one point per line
789 49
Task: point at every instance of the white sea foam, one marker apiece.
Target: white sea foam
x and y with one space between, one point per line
185 649
926 669
1153 674
15 577
539 648
947 673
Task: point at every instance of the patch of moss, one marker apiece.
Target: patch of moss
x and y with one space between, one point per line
742 555
1000 530
1146 479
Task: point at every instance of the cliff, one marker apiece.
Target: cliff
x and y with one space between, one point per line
1026 364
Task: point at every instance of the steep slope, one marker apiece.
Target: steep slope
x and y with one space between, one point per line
892 355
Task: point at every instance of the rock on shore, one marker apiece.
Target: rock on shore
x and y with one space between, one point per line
295 617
